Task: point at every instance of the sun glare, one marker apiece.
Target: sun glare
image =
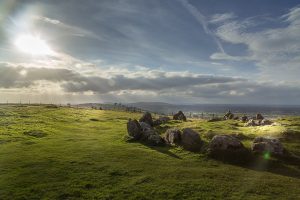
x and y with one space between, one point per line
32 45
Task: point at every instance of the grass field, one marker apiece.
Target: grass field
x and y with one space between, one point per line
67 153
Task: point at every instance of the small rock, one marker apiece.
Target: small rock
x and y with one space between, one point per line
259 116
228 115
265 122
251 122
179 116
244 118
161 120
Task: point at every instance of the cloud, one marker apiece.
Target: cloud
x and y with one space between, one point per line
202 20
225 56
220 18
72 81
144 84
271 49
72 30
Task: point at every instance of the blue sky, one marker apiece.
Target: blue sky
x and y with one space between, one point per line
177 51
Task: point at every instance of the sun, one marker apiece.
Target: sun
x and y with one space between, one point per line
33 45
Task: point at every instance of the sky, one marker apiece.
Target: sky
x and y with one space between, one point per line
174 51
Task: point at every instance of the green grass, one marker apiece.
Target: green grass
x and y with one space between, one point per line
66 153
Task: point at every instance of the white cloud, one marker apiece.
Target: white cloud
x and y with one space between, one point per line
272 49
72 30
219 18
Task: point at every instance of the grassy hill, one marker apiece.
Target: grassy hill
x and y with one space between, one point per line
67 153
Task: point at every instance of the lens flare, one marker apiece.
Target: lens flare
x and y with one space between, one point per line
266 155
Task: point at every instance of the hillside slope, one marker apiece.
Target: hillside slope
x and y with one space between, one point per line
67 153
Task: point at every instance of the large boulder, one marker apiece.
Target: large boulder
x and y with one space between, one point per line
134 129
228 148
147 118
173 136
225 143
179 116
267 145
259 116
191 140
151 137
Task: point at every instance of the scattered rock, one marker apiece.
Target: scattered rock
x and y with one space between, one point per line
265 122
35 133
244 118
173 136
267 145
161 120
259 116
228 115
251 122
164 119
236 118
134 129
179 116
147 118
191 140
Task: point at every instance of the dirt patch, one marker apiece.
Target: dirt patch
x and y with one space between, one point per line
35 133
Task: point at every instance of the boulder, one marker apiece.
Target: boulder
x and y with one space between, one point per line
251 122
151 137
161 120
244 118
173 136
267 145
134 129
259 116
179 116
225 143
265 122
228 115
147 118
145 126
164 119
228 148
191 140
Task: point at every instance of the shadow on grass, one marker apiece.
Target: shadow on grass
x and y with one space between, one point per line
287 165
162 149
